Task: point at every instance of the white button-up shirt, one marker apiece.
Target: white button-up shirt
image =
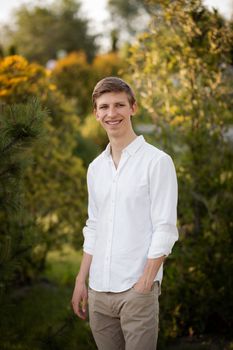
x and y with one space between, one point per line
131 214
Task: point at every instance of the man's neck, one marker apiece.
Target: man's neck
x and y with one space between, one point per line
119 143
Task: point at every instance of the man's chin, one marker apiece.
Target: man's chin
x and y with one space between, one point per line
114 132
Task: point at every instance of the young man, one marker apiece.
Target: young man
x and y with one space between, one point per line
130 230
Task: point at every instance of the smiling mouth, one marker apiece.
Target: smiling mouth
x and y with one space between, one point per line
115 122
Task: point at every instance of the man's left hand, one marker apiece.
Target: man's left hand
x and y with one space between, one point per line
143 286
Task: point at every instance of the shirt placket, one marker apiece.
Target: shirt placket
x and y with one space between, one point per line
108 254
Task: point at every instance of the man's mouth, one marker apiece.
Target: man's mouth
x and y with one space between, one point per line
113 122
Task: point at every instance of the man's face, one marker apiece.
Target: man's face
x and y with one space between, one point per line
113 111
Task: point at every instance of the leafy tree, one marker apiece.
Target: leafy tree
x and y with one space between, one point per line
41 32
73 76
93 138
76 78
182 69
56 190
128 17
109 64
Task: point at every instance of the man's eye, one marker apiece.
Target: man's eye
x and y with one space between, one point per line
103 107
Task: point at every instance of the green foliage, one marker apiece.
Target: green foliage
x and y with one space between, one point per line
62 266
41 32
21 126
93 138
128 15
109 64
39 316
42 205
182 70
76 78
56 186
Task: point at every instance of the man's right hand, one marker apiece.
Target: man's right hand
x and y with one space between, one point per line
79 299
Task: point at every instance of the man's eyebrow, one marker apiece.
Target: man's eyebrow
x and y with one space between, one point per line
106 103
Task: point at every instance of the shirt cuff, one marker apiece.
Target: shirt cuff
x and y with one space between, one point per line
162 242
87 250
89 241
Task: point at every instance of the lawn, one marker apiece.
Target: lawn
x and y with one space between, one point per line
41 316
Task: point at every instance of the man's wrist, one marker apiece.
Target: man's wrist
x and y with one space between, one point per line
146 281
151 269
81 279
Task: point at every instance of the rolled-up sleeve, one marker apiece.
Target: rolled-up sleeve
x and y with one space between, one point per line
163 201
89 230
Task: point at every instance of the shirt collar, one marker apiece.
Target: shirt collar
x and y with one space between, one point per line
130 149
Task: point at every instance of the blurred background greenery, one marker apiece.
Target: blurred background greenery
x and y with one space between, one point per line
178 56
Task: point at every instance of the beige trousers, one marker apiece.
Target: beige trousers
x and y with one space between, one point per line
124 321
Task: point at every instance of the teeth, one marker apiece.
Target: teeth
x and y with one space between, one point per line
113 123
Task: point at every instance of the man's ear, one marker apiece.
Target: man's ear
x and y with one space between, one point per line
134 108
95 114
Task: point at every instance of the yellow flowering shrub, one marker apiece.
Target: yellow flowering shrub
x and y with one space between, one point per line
109 64
20 79
76 78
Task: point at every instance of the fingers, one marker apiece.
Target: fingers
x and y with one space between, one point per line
80 313
84 306
80 307
79 300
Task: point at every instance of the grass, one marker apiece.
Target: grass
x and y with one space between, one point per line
63 266
41 317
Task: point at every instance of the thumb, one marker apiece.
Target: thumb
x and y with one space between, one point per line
84 304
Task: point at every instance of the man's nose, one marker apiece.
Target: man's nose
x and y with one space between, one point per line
111 111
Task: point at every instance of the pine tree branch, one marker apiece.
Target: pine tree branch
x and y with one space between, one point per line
34 113
10 144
